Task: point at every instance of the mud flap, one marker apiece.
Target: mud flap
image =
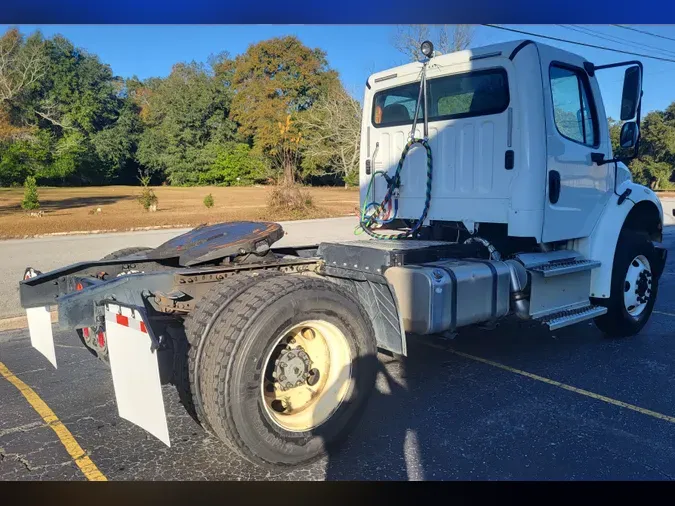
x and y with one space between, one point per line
40 330
135 370
40 325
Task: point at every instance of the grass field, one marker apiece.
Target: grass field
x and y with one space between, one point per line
75 209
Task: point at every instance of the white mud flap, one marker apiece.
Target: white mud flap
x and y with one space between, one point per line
135 370
40 325
40 329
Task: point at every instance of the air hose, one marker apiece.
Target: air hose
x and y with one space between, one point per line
393 185
381 214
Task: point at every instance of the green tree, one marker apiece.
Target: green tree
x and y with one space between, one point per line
273 79
31 198
186 118
67 100
656 159
235 165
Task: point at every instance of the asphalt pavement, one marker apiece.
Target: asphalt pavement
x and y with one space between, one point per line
516 402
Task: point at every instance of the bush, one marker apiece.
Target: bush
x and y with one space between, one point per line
235 165
31 198
208 201
292 198
147 199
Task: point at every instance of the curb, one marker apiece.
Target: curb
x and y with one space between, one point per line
150 228
21 322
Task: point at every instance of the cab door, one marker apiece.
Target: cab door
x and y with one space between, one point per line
577 187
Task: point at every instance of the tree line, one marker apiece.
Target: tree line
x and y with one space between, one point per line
655 164
276 112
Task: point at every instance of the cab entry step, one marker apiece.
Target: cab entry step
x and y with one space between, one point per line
571 316
566 267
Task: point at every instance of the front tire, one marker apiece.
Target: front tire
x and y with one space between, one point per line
287 369
633 289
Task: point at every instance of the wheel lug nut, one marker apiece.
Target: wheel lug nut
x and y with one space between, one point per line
298 383
291 355
282 378
289 385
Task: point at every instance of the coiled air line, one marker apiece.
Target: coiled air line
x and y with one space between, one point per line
380 214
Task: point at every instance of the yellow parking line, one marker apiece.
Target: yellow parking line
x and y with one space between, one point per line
85 464
664 313
558 384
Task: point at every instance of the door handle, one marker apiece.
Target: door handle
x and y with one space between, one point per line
598 158
553 186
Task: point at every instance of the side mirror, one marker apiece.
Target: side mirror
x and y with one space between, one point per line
632 89
629 134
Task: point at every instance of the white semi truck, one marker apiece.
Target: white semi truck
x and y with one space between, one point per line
489 189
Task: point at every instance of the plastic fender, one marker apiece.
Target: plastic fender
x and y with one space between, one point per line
601 244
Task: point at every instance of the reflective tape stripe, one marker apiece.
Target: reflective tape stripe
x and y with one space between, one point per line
133 322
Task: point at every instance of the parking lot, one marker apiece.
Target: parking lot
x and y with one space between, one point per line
516 402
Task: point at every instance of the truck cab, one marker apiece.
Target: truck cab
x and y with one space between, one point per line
521 151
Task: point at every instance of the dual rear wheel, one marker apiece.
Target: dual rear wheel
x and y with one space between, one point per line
280 366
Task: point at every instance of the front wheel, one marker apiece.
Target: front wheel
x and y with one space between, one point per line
634 287
286 369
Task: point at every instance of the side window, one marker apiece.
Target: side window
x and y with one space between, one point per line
574 115
397 106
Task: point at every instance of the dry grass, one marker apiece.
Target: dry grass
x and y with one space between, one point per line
74 209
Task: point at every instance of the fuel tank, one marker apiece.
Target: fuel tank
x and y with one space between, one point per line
439 296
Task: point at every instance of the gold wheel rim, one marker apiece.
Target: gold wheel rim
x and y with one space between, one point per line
307 375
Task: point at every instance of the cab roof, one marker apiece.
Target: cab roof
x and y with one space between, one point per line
503 49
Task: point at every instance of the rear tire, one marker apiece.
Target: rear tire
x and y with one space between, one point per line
328 395
195 324
633 289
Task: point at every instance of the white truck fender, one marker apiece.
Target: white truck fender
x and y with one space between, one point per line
602 242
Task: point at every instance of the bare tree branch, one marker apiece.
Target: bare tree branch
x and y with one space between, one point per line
333 133
446 38
22 63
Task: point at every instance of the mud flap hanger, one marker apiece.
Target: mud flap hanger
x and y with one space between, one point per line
104 305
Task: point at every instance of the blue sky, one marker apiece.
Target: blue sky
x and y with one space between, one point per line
355 51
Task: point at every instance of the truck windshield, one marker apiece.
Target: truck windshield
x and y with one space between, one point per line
465 95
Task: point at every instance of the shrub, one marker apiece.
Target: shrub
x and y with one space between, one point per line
147 198
31 198
292 198
208 201
235 165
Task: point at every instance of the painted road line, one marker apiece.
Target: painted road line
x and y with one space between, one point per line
558 384
82 460
664 313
